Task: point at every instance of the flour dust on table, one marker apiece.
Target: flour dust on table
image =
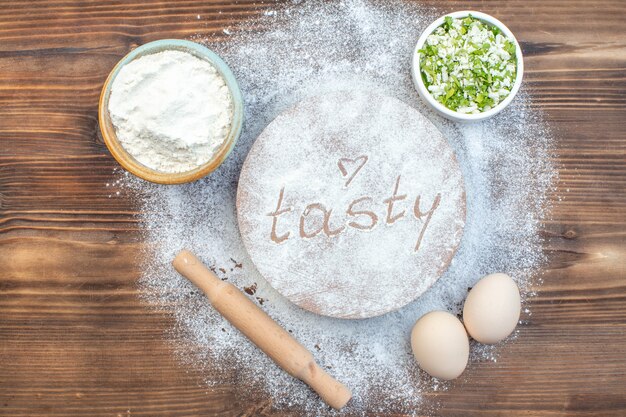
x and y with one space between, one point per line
308 50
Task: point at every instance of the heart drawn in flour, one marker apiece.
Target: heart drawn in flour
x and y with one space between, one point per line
347 165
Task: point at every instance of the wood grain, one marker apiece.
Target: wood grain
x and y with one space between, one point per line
75 339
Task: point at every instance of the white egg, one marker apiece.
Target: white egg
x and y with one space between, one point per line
440 345
492 308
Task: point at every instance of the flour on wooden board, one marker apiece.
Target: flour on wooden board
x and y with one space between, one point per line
351 204
310 49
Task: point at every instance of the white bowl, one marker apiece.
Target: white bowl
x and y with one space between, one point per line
440 108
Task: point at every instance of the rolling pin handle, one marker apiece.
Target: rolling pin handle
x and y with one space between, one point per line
333 392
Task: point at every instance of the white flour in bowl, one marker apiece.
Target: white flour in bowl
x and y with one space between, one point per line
171 110
306 50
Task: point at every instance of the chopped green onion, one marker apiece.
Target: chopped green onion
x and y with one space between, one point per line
468 65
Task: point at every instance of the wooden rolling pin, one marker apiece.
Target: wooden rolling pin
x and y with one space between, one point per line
264 332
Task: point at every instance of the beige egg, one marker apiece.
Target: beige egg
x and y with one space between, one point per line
440 344
492 308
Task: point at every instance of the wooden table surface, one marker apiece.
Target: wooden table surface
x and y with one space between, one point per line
75 338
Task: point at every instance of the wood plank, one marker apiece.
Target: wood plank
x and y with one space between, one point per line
75 337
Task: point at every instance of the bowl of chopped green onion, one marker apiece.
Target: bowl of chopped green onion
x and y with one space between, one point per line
468 66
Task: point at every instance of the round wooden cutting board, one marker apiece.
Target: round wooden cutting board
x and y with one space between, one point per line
351 204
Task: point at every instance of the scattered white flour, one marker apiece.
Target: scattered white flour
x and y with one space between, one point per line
370 257
308 49
171 110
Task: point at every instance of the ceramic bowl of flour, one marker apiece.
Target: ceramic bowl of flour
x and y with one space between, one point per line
171 161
